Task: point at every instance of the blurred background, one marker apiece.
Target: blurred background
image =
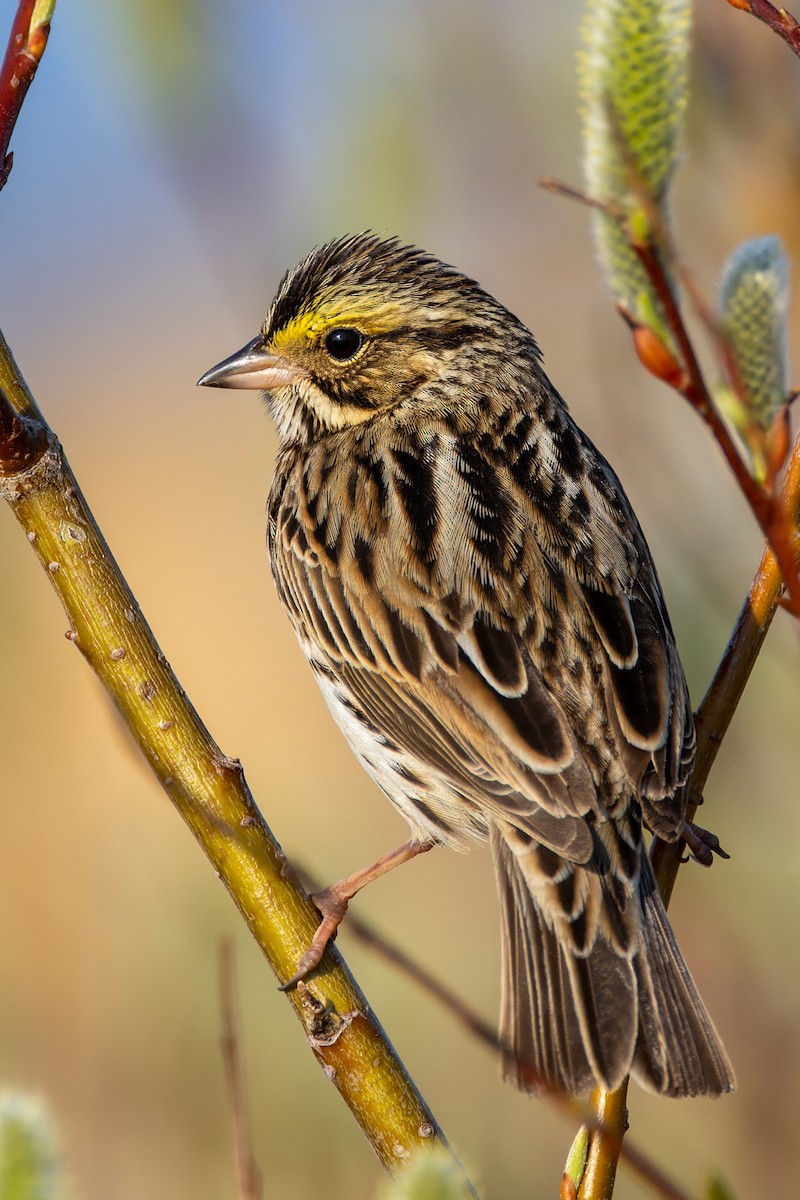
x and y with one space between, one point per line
172 160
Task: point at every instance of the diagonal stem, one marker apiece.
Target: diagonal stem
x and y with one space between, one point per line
206 787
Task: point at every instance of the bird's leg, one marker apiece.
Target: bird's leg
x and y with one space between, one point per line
701 844
332 903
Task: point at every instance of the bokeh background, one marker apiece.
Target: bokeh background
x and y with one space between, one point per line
172 159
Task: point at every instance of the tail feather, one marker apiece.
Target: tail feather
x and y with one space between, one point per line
678 1052
556 1027
574 1021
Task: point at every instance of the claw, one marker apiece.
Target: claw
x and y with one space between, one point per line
702 844
331 906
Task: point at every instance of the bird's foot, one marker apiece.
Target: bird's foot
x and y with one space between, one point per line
332 903
701 844
332 906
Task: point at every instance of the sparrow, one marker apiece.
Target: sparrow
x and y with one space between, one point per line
478 603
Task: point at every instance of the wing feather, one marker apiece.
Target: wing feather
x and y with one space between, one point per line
465 657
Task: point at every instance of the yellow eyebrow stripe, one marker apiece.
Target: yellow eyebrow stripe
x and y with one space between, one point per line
371 319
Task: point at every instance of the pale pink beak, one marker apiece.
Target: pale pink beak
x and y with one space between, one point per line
252 367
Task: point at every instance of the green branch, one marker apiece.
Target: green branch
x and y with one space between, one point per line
207 788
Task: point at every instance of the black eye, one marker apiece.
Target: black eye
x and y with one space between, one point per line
342 344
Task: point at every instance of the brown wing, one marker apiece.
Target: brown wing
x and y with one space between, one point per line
506 629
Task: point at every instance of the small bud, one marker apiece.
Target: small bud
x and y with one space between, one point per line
657 358
575 1164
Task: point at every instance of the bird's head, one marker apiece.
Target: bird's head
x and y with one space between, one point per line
363 324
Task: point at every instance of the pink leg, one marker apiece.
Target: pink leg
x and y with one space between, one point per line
332 903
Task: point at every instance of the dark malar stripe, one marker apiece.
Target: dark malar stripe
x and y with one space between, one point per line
345 395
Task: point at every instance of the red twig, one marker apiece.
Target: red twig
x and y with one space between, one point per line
778 19
693 386
776 521
23 54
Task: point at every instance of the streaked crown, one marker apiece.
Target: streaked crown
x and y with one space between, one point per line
365 323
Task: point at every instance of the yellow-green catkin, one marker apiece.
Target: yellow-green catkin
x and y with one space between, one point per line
752 306
753 302
634 88
29 1163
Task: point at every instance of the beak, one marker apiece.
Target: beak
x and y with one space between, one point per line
252 367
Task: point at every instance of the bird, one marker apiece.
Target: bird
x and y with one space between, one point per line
475 596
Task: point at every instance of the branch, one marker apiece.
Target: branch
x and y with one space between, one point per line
778 19
207 788
777 521
712 720
726 688
605 1144
26 44
777 516
691 382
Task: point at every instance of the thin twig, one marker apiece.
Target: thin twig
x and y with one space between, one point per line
29 33
726 688
777 526
712 720
248 1175
775 521
606 1146
570 192
778 19
778 520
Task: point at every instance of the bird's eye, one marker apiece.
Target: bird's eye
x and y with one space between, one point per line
343 344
